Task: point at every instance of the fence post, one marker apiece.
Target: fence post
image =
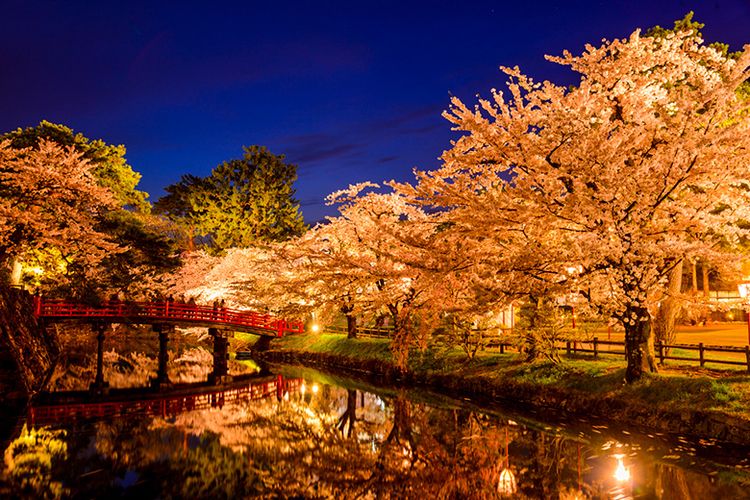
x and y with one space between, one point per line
596 350
502 347
747 357
661 352
700 351
567 347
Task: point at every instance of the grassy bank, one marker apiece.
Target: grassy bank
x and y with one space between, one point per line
699 402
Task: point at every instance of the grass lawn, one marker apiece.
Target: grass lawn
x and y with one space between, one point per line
367 348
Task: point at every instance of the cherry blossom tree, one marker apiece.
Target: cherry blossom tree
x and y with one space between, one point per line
50 199
399 256
643 162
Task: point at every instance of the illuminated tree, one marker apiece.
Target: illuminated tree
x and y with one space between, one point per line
147 252
50 199
243 202
108 164
641 163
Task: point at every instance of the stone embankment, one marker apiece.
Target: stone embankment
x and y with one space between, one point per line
27 350
628 413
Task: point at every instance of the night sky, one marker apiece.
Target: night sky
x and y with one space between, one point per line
349 91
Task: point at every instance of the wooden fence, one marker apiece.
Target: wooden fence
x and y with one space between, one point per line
666 351
373 332
737 356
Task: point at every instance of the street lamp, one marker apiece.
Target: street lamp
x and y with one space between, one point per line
744 289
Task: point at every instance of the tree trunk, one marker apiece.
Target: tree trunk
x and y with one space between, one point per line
665 320
351 326
639 344
706 289
16 270
402 333
694 284
531 346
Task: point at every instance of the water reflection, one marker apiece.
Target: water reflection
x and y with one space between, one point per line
318 440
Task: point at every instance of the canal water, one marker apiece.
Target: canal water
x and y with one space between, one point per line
298 433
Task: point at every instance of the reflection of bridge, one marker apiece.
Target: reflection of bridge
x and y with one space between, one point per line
165 312
63 406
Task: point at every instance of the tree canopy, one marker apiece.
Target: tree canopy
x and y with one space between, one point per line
643 162
123 218
49 198
108 164
242 202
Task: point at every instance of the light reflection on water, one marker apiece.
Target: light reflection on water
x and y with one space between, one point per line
311 439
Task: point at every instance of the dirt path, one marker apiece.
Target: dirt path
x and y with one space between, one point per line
728 334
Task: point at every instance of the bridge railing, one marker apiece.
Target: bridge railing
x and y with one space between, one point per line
166 310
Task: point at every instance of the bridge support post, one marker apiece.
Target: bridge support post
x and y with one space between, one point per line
220 373
99 386
161 381
262 344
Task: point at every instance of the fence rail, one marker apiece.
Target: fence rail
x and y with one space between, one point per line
667 351
374 332
599 348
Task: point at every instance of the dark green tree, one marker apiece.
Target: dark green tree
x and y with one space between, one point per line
110 166
688 24
177 207
242 202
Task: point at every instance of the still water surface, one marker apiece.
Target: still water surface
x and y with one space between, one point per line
301 434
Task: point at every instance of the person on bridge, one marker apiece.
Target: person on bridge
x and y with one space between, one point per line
191 307
169 305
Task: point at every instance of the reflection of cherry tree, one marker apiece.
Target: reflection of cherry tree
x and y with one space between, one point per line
30 460
397 449
348 419
134 368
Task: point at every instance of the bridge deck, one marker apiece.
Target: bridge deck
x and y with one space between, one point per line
166 312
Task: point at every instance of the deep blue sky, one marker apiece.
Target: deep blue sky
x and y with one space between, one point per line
350 91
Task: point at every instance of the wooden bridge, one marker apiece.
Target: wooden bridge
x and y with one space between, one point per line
166 312
56 407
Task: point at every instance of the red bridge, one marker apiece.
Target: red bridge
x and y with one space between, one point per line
166 312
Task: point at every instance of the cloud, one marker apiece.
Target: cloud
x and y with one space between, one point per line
316 148
387 159
400 121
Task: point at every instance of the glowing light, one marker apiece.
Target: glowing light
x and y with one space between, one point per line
315 328
315 388
506 484
622 473
303 389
